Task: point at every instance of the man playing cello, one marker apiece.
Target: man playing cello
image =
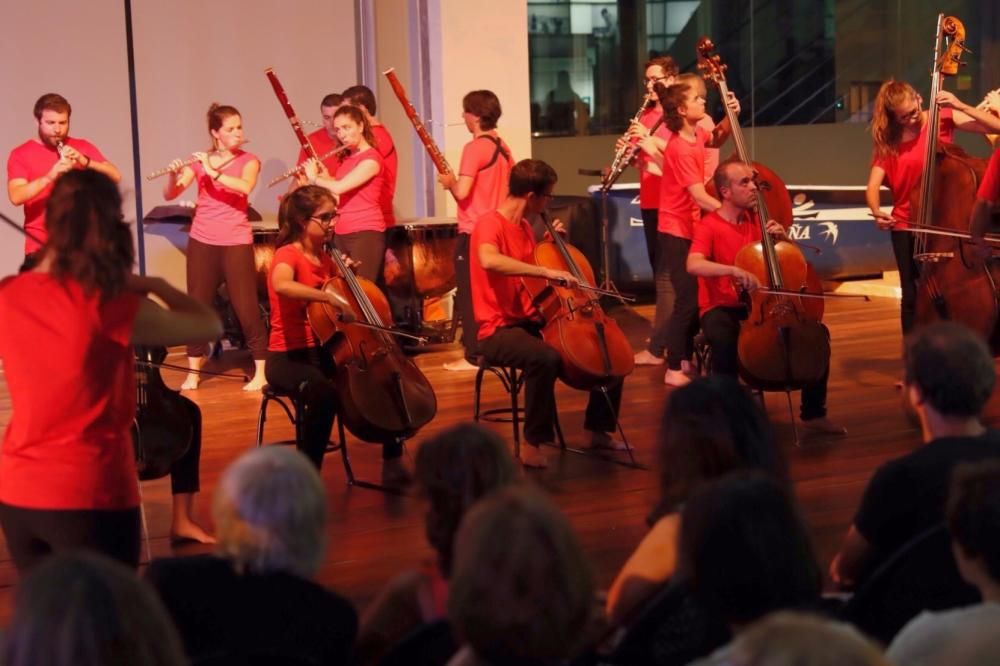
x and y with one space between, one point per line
717 240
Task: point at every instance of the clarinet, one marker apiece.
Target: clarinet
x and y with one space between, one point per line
625 154
440 163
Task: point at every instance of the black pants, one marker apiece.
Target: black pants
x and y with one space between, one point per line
367 248
902 248
33 534
682 324
522 347
463 297
666 298
308 374
650 220
185 476
722 329
208 266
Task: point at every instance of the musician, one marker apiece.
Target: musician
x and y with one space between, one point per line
479 187
296 362
33 166
987 198
718 237
325 138
899 134
509 324
682 197
363 98
358 183
67 466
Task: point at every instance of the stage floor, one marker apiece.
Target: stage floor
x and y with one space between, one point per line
374 535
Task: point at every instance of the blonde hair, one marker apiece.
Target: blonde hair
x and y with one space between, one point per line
798 639
886 130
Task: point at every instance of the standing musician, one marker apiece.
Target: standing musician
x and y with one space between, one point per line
296 362
220 247
682 197
358 184
363 98
67 467
479 188
33 166
899 134
509 323
325 138
649 161
718 237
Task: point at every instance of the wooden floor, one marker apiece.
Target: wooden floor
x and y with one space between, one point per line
373 535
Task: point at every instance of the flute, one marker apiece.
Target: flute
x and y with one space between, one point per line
298 167
191 160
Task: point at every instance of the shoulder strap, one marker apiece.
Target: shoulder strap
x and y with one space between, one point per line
497 153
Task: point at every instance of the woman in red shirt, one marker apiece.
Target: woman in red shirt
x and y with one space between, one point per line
357 185
899 133
220 248
67 468
296 361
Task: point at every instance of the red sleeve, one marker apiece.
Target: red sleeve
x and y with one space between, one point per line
989 189
487 231
17 167
702 241
474 157
686 165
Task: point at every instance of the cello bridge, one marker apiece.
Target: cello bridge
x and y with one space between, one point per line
933 257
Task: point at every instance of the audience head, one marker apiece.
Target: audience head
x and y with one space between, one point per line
973 516
89 240
711 427
270 513
521 591
744 549
297 210
83 609
454 470
797 639
949 369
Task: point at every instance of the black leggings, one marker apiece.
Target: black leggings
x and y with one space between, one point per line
208 266
463 297
683 323
368 249
184 476
33 534
308 373
902 249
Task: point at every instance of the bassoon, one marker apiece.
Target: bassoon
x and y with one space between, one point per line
440 163
286 106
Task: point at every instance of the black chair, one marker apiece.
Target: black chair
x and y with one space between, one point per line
673 628
284 399
432 644
921 575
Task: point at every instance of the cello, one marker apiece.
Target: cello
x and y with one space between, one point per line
595 352
782 346
383 394
953 283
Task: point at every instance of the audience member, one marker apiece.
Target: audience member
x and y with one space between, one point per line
798 639
255 597
973 516
453 471
949 377
710 427
84 609
521 590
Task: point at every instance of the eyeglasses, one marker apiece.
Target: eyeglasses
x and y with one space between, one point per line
324 217
654 79
903 118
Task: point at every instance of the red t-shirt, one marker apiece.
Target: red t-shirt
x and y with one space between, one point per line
71 376
360 209
649 184
989 189
33 160
221 215
390 163
904 170
683 166
290 327
490 171
720 240
500 300
322 143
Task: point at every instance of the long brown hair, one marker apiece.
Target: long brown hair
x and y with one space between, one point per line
886 130
88 240
217 114
358 116
671 99
296 209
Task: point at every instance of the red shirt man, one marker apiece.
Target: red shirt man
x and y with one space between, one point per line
33 166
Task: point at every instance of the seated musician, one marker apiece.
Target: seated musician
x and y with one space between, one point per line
717 240
296 362
509 324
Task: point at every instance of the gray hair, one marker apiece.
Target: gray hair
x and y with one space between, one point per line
270 513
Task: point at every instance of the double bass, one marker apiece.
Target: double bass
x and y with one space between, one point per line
383 394
783 344
953 283
595 352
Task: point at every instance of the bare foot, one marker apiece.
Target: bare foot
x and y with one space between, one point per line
676 378
188 530
190 382
461 365
644 357
532 456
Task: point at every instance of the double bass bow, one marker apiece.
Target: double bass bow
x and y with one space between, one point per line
594 350
383 394
782 345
